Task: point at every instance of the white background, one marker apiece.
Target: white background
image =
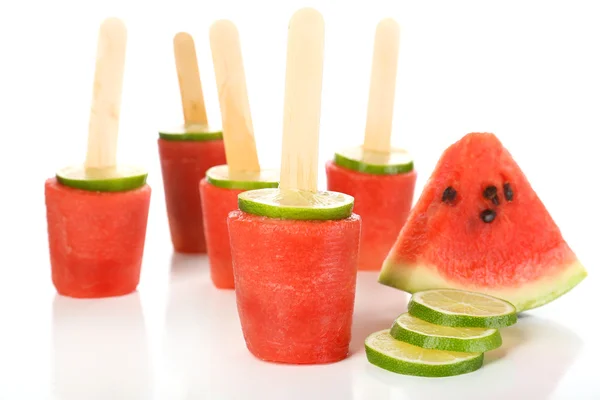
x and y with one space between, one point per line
527 71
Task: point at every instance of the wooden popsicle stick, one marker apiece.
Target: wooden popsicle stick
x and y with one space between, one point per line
380 111
238 133
106 101
188 74
302 102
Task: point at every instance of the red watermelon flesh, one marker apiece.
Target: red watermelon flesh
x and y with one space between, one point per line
383 203
183 164
480 226
96 239
295 283
217 203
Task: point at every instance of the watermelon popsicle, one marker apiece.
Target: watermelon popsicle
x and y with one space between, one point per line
219 190
294 248
380 178
97 213
187 152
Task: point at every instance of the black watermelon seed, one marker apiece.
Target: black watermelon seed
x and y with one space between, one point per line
488 216
490 192
449 195
508 192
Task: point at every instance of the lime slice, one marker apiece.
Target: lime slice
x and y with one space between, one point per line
115 179
403 358
397 161
296 204
415 331
451 307
222 177
196 132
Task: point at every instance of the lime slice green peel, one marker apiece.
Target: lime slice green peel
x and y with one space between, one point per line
395 162
195 132
399 357
221 176
117 179
296 204
460 309
410 329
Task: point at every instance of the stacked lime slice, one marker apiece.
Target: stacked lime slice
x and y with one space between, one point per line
444 333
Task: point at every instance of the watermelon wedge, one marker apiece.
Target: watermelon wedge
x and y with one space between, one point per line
480 226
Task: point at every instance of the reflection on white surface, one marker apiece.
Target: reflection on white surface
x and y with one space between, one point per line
535 354
99 352
206 356
100 349
375 308
187 340
231 361
235 372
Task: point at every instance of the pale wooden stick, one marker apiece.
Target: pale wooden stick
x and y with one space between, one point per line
380 112
238 133
190 86
106 101
302 103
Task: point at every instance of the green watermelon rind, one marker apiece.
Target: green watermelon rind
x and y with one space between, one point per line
430 371
471 345
460 321
415 277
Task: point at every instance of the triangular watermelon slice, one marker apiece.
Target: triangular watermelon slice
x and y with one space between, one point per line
480 226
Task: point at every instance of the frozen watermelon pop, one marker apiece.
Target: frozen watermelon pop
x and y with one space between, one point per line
187 152
294 248
380 178
97 213
219 190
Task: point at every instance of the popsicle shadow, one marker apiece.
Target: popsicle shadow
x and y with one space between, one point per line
232 372
512 338
376 307
187 340
535 355
272 381
100 349
183 265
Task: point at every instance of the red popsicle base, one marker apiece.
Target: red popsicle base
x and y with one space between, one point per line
295 284
217 203
183 165
96 239
383 203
